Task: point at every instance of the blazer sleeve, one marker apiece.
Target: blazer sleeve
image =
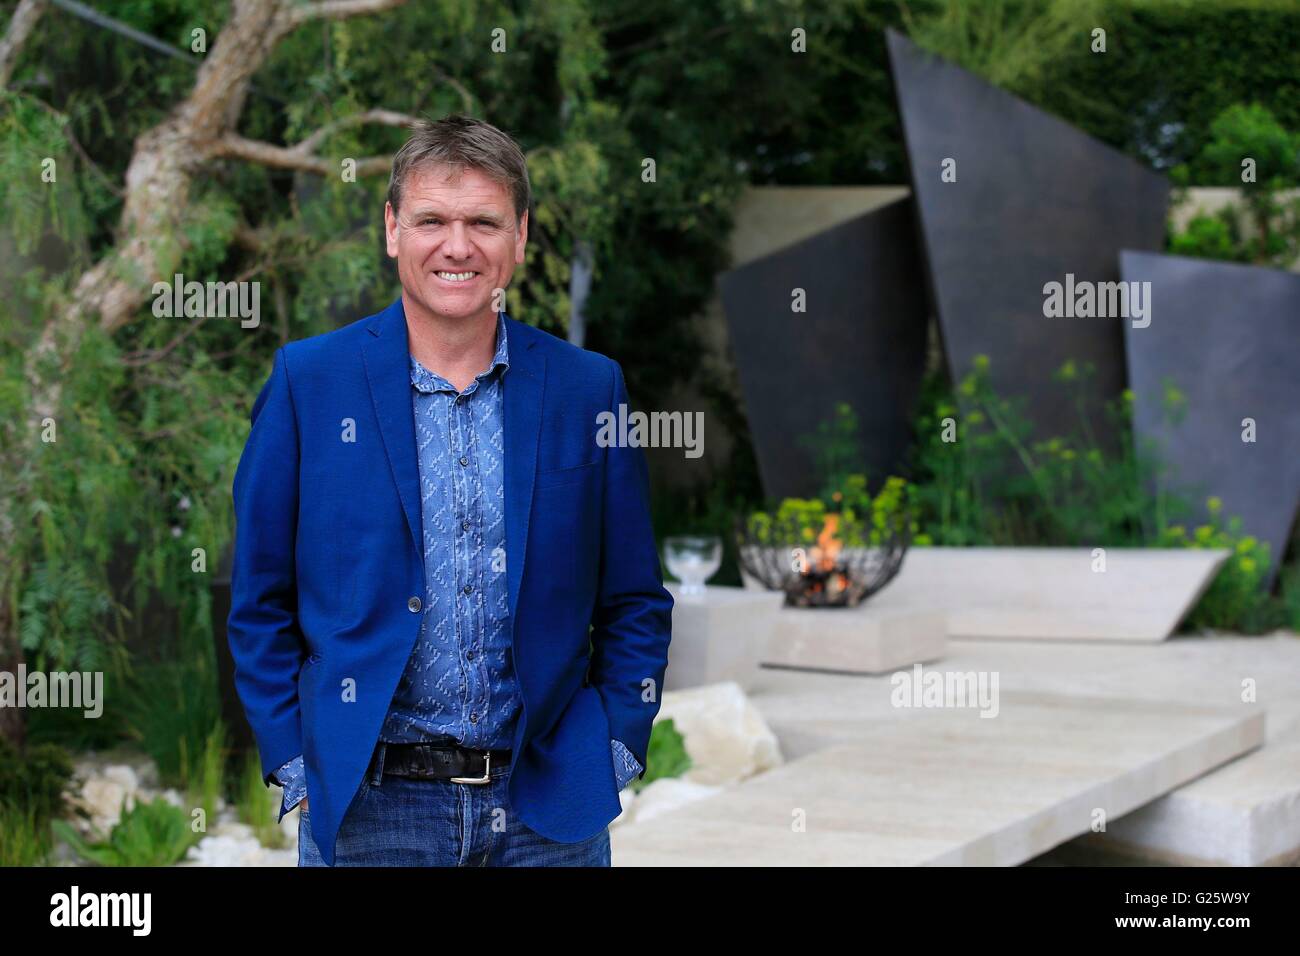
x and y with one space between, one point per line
632 620
265 639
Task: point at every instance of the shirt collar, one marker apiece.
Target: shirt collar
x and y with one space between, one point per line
427 381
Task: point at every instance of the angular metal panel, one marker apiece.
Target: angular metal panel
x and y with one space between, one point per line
1034 199
861 341
1227 336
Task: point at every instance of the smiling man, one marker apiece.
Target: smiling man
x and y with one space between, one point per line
448 618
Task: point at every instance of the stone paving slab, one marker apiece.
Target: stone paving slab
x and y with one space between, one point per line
1246 813
1054 594
949 787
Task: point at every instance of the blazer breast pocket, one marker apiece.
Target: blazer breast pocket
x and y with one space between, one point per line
558 477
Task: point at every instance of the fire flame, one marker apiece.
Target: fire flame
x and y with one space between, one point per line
823 574
828 546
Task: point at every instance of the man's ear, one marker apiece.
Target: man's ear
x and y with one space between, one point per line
522 239
390 230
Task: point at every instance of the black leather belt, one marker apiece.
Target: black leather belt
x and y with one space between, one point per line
443 762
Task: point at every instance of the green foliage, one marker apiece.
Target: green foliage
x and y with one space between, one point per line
254 806
206 775
1210 237
149 834
859 520
1248 131
1289 595
836 448
34 780
59 611
1243 134
33 147
992 485
173 711
24 838
70 728
1170 68
1011 43
1236 599
983 479
665 757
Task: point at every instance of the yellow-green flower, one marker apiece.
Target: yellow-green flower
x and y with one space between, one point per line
1214 504
981 363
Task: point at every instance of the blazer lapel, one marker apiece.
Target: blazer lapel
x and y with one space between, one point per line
387 359
522 388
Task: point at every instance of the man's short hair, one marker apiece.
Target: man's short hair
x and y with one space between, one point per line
459 142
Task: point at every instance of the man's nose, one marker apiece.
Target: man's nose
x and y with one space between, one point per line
457 244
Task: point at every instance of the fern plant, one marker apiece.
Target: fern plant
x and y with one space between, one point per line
149 834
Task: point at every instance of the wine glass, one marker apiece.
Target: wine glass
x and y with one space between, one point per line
693 559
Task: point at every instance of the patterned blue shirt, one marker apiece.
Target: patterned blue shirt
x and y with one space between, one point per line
459 683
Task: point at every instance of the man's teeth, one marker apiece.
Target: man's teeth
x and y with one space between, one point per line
456 276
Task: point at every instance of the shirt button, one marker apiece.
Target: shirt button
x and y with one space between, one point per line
469 655
473 718
413 604
468 588
464 460
465 525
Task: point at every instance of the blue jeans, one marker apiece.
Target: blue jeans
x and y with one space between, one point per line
399 821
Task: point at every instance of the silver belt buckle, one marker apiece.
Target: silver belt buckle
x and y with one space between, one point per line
487 771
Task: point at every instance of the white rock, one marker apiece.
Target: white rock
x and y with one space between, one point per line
725 735
230 850
105 794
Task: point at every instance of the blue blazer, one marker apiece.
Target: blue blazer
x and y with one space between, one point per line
327 555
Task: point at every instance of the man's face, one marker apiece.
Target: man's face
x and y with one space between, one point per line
447 228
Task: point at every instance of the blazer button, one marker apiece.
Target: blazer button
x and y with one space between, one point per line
413 604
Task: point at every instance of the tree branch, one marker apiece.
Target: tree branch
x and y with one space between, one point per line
290 157
381 117
337 10
20 28
302 156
